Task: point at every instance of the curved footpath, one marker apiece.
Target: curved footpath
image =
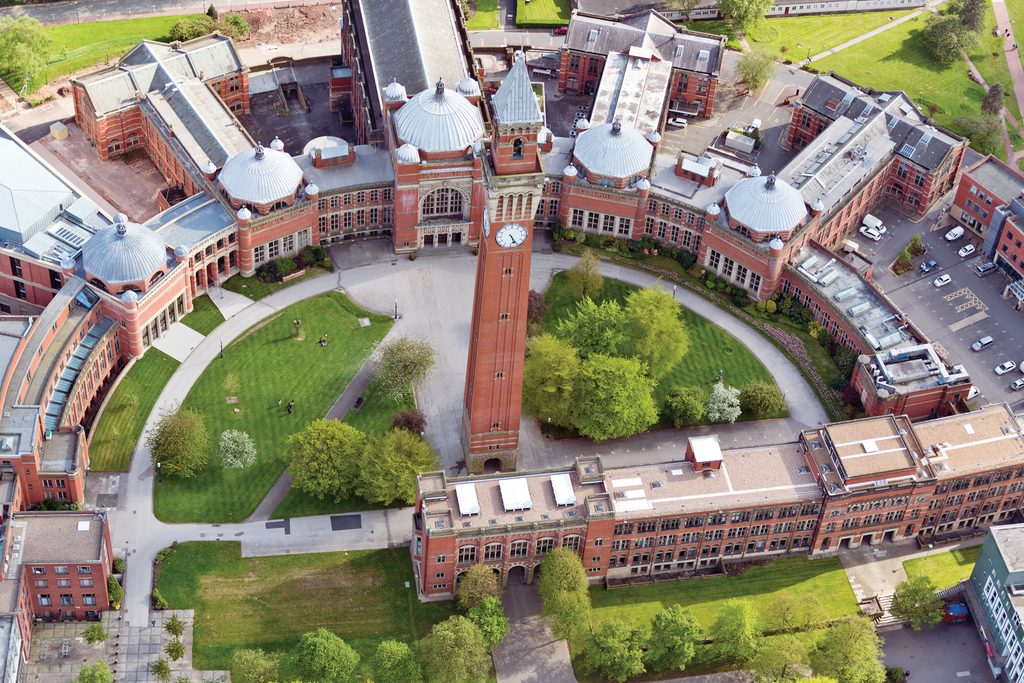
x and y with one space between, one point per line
435 286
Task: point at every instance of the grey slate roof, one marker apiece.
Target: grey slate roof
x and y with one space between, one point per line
372 167
515 101
191 222
131 254
201 122
998 178
31 195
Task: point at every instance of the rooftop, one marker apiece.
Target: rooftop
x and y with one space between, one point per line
372 167
191 222
972 442
666 183
439 120
613 150
906 369
875 447
1009 539
998 178
632 89
766 204
49 537
515 100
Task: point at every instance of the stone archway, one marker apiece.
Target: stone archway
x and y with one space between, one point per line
492 465
516 574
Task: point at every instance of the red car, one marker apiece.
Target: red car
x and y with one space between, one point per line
559 30
955 613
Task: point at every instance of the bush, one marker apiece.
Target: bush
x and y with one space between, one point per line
94 634
410 420
286 266
114 592
237 449
192 27
236 27
312 255
536 307
119 565
211 12
684 406
159 601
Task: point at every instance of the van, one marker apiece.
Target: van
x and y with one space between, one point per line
872 222
982 344
985 268
547 73
955 234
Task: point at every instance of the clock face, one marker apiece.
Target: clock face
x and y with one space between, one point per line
511 235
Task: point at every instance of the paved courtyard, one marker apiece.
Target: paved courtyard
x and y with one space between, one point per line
946 653
529 653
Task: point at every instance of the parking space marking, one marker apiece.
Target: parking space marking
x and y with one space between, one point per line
968 321
971 300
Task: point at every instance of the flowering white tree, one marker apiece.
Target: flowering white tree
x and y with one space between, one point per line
724 404
237 449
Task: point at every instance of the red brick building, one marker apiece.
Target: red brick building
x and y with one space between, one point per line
984 187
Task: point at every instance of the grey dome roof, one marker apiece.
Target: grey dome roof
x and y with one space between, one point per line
468 87
244 214
439 120
181 251
260 176
570 171
326 142
124 252
312 189
129 296
613 150
765 205
407 154
394 92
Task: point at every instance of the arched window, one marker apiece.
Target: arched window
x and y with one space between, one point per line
156 277
492 551
467 554
544 545
443 203
517 148
572 543
98 284
519 549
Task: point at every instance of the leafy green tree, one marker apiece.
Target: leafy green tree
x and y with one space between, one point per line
915 601
477 584
595 328
761 399
180 443
237 449
744 14
817 679
584 279
254 666
993 102
192 27
388 468
115 592
403 364
455 652
985 132
656 335
849 652
161 669
616 651
394 662
684 406
971 13
549 371
736 633
945 38
175 626
779 661
23 48
175 649
673 639
612 397
95 672
323 656
756 68
324 458
489 617
791 611
235 26
95 633
565 594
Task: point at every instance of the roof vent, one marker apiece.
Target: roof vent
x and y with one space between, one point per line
592 35
83 525
7 444
260 153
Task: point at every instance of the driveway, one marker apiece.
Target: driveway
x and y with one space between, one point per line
946 653
529 653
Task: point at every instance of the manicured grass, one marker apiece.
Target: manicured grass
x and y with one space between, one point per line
990 59
542 13
711 348
798 38
824 579
377 412
121 422
486 16
205 315
264 370
716 27
269 602
256 289
944 569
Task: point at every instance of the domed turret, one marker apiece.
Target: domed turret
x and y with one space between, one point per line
209 169
613 150
244 214
129 296
276 144
180 251
311 190
582 124
439 120
765 205
468 87
654 137
754 171
714 209
124 253
643 184
407 154
570 172
395 92
260 176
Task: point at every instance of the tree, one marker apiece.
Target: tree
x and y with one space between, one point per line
945 38
179 443
410 420
211 12
321 655
454 652
789 611
565 594
161 669
985 132
779 662
175 626
595 328
849 652
972 14
549 372
237 449
915 601
95 633
735 632
584 279
254 666
744 14
761 399
612 397
235 27
684 406
115 592
615 651
673 639
394 662
175 649
324 458
993 102
724 404
95 672
489 617
477 584
23 49
402 364
656 335
387 472
536 307
192 27
755 68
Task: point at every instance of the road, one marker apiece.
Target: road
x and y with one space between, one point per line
73 12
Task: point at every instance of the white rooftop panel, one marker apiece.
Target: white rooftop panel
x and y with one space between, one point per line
562 486
632 481
515 494
706 448
632 505
635 493
466 495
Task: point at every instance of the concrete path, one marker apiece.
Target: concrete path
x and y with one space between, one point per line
932 4
229 303
1012 62
529 653
178 341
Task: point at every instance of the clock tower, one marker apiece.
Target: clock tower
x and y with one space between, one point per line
497 343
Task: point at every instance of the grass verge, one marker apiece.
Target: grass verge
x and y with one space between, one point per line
256 289
485 17
798 38
205 315
944 569
541 13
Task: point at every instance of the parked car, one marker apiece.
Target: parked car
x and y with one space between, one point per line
875 223
1017 384
973 393
677 122
955 613
929 265
966 251
755 125
982 343
1005 367
942 280
955 234
870 233
559 30
985 268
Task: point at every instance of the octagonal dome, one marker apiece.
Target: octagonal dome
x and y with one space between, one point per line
260 176
439 120
124 252
765 204
613 150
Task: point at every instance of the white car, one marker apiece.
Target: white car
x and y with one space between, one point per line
942 280
966 251
1005 367
872 222
1017 384
870 233
677 122
954 234
754 125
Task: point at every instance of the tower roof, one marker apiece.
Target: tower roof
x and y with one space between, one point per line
515 101
439 120
124 252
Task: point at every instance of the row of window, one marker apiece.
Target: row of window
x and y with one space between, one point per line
60 570
468 554
355 198
359 218
730 270
62 583
592 221
67 600
280 247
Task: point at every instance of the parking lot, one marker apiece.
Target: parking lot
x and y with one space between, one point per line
945 653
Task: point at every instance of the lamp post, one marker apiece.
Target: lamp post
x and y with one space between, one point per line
159 477
396 309
674 291
221 348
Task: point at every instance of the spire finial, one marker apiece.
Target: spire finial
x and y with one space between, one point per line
616 127
770 182
259 150
439 89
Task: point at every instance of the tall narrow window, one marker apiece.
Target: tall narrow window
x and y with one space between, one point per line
517 148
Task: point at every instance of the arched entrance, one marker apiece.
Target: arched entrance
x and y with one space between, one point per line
492 465
517 574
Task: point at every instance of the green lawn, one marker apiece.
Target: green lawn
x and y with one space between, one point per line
486 16
539 13
944 569
716 27
263 371
121 422
205 315
798 38
990 59
256 289
269 602
711 348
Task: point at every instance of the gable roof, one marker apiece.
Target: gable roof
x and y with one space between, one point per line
515 101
